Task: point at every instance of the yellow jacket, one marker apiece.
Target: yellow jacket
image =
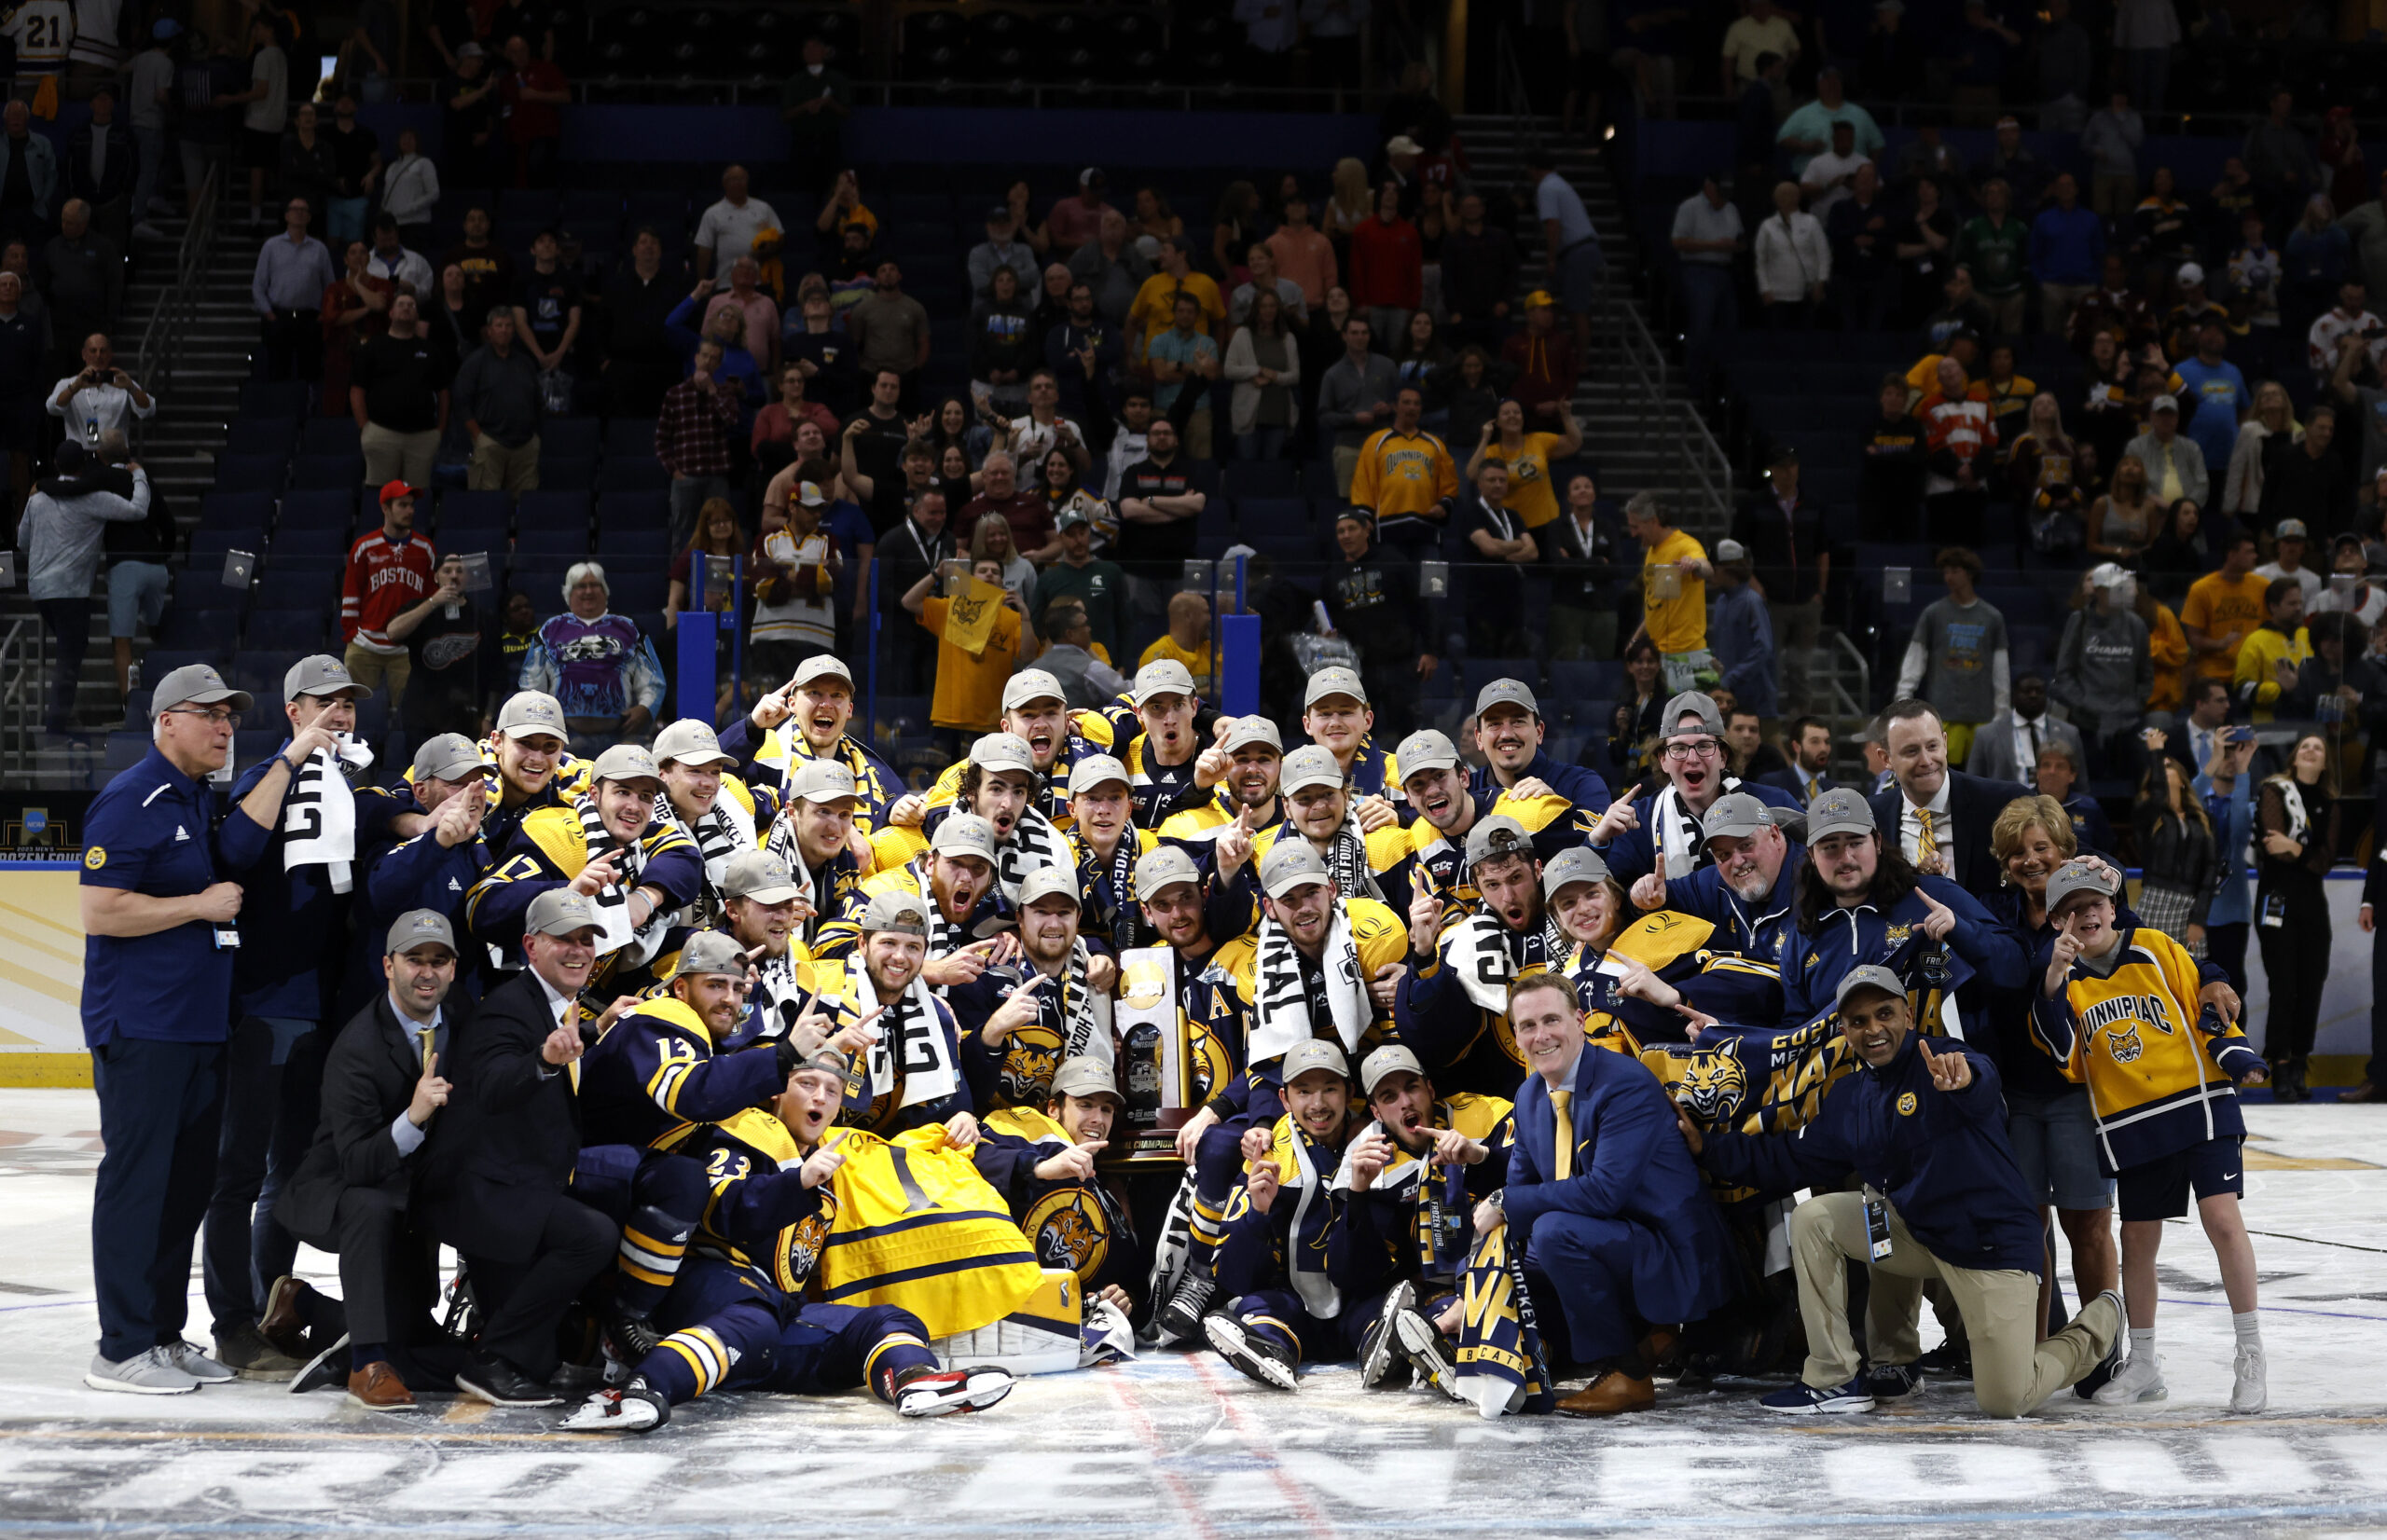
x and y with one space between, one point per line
2255 682
1403 476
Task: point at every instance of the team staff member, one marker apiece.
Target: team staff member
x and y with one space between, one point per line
159 939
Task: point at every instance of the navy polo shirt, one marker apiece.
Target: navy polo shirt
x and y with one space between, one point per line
153 832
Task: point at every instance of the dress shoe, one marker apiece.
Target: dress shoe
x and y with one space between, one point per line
377 1387
280 1324
2366 1091
1610 1394
500 1384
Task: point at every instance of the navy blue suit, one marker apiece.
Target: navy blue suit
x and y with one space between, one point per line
1631 1236
1973 804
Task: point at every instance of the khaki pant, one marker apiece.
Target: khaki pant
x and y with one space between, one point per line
1797 628
2012 1371
379 672
2056 304
2113 197
496 468
393 456
2006 312
1346 465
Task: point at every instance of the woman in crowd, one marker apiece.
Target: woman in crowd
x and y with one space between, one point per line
1636 722
2166 652
2183 552
717 537
1925 243
1386 271
1350 205
1025 229
2242 486
1153 219
1235 225
949 427
1420 354
1265 361
2341 688
776 422
999 337
2296 831
2040 472
955 478
411 190
991 541
310 165
2122 523
2177 850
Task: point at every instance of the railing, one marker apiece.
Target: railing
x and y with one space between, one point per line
1844 707
760 91
1701 468
178 307
24 674
1509 86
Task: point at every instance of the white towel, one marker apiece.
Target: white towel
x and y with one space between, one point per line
911 1046
1283 1006
1483 955
319 815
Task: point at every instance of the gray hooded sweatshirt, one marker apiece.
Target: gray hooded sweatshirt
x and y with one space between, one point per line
2103 671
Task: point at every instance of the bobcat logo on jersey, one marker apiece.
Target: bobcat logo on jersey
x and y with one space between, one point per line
1713 1086
1068 1229
2124 1042
1029 1059
800 1244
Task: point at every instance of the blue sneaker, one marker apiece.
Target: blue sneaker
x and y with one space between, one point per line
1806 1401
1893 1382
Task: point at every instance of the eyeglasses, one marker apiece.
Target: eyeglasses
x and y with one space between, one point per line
1703 748
214 718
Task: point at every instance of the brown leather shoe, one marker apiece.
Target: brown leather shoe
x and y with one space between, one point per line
281 1326
2366 1091
1611 1393
377 1387
1657 1345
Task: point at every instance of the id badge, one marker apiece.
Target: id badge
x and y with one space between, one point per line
1877 1227
228 938
2274 912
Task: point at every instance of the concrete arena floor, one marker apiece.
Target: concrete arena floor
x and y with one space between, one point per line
1180 1445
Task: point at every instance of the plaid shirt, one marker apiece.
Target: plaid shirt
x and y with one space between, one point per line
692 430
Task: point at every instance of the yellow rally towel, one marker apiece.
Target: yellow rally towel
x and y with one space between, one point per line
45 102
969 620
919 1227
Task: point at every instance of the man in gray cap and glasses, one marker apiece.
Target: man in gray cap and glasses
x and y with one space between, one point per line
385 1083
1942 1202
1664 830
158 915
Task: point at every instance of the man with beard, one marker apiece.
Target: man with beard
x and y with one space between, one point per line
1019 1021
717 810
765 912
955 878
436 867
1748 894
607 846
1043 1163
1317 807
814 834
909 1076
807 719
1508 731
1320 967
1210 1020
645 1084
1282 1304
737 1319
1434 783
1243 767
1451 1008
1414 1176
1035 708
1105 848
1661 831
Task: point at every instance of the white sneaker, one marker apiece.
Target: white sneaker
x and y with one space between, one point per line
150 1373
2248 1392
2141 1380
198 1365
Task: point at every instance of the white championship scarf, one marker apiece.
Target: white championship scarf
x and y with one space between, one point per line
1282 1005
720 831
1346 859
1682 843
1085 1013
613 900
911 1045
1480 956
1404 1171
1032 845
319 814
777 995
2299 823
1317 1291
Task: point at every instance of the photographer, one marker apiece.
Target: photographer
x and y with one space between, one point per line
101 398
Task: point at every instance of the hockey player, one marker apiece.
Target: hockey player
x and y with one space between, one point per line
1338 718
1509 732
737 1321
1106 845
1451 1008
1162 756
717 811
765 911
955 879
2119 1010
1243 767
533 771
1661 832
807 719
1036 711
1020 1022
1444 810
910 1074
1000 783
1041 1161
1319 806
814 834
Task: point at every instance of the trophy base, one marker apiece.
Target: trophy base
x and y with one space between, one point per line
1148 1146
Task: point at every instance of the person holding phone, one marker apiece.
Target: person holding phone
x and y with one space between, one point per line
100 398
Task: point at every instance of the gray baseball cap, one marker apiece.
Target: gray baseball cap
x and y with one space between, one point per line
1391 1059
822 666
1032 684
449 756
1500 835
418 926
196 684
690 741
965 834
822 781
1309 765
896 911
1004 751
1164 866
1291 864
1097 770
1507 692
625 761
1048 881
2073 877
759 875
1573 865
1693 703
1334 681
1071 517
1839 811
1315 1053
1085 1077
320 675
1163 676
530 711
1736 814
1875 976
710 952
558 911
1425 751
1250 730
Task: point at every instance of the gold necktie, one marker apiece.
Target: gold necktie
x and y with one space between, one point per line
1926 845
1564 1125
425 1035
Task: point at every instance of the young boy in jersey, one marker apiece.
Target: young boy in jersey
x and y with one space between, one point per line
735 1318
2117 1008
1281 1304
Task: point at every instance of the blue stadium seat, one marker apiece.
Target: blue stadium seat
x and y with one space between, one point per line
289 399
284 630
1244 478
262 436
330 435
552 510
557 542
618 510
630 438
160 661
1482 671
297 585
637 475
326 473
324 508
250 473
1582 681
123 751
566 475
235 509
188 624
475 509
616 546
570 438
665 210
638 589
261 670
591 203
290 543
208 547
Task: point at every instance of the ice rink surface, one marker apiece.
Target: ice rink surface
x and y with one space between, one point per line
1180 1445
